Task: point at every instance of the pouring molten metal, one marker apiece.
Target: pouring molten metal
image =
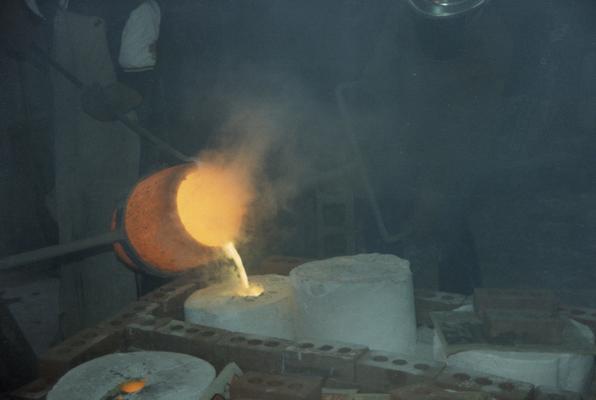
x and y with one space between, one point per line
212 202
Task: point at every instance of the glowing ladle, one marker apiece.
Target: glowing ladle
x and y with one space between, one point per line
212 202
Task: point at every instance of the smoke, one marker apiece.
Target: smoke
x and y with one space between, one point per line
262 140
274 136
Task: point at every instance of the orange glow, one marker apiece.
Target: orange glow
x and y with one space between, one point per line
212 201
132 386
253 290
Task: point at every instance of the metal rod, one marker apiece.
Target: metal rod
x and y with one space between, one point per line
157 142
128 122
73 79
46 253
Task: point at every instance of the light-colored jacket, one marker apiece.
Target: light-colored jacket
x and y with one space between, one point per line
138 49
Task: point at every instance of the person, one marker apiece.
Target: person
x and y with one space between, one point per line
96 165
137 60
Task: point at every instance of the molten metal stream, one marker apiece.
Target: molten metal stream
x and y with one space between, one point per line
211 202
232 253
246 288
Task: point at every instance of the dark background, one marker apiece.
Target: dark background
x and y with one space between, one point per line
479 135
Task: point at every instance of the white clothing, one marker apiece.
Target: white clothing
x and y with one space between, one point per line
139 38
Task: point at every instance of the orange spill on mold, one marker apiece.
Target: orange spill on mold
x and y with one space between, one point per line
132 386
212 201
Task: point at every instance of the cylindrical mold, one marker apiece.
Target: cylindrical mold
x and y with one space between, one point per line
141 375
221 306
156 240
366 299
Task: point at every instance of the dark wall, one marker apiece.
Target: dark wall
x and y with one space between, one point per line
481 121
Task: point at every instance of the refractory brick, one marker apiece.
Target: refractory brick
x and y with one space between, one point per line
379 370
170 299
257 385
254 352
499 388
178 336
84 346
431 392
537 300
427 301
324 358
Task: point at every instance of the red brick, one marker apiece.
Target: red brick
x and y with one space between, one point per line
36 390
130 313
523 327
543 301
170 298
546 394
178 336
431 392
337 394
381 371
275 387
583 315
140 333
427 301
324 358
332 383
84 346
254 352
499 388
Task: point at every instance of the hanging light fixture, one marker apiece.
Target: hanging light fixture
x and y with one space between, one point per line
445 8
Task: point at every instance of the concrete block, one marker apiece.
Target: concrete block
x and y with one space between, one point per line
81 347
583 315
378 370
427 301
36 390
254 352
499 388
170 298
262 386
324 358
544 301
523 327
430 392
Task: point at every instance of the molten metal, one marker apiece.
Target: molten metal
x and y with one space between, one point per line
132 386
176 218
212 201
232 253
154 230
246 289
